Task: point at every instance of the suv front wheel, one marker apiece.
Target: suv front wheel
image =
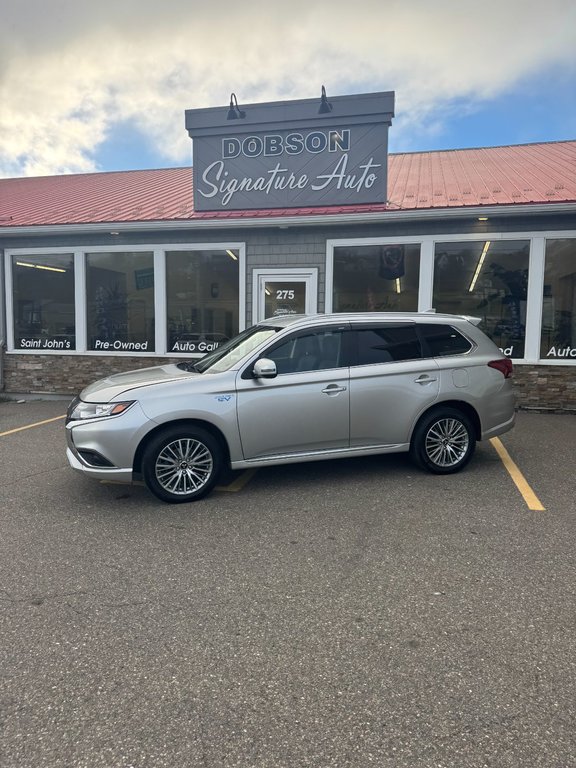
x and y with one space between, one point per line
182 464
443 442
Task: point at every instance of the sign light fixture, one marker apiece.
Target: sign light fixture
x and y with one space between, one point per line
234 111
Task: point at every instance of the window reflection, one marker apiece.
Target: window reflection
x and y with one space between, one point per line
315 351
120 301
202 299
376 278
486 279
44 315
558 337
388 343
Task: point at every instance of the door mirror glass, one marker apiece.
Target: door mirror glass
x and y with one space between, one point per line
264 369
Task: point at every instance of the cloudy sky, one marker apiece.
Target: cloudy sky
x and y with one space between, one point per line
103 85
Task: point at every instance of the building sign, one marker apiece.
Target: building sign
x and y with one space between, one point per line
45 343
555 351
290 154
120 345
201 347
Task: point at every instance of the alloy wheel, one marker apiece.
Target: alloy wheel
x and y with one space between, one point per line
184 466
447 442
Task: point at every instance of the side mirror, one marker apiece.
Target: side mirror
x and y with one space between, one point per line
264 369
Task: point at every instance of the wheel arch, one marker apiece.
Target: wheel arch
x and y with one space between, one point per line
169 425
458 405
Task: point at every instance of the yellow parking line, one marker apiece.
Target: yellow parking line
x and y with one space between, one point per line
532 501
239 483
30 426
234 487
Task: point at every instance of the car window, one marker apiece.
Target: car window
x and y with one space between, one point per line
313 351
229 353
441 340
387 343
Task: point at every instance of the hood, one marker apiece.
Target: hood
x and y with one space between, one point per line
113 386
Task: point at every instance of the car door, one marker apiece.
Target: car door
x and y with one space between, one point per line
306 407
390 383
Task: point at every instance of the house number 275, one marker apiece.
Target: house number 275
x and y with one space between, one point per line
285 294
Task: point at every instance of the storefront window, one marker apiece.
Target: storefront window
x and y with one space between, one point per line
202 299
558 338
120 301
376 278
488 280
44 316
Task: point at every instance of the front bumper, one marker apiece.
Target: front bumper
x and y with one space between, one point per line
113 474
113 438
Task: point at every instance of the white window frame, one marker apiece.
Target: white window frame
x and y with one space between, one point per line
537 240
159 258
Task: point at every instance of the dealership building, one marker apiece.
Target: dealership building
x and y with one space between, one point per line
289 207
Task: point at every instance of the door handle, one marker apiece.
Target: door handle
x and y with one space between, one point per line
333 389
425 379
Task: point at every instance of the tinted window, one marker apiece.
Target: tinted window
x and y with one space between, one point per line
489 280
387 343
44 313
120 301
558 339
308 352
202 299
376 278
441 340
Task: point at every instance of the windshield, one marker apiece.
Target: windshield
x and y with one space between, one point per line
233 350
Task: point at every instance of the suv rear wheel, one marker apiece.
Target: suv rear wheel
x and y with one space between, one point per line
182 464
443 442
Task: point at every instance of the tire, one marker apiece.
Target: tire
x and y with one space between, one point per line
182 464
443 441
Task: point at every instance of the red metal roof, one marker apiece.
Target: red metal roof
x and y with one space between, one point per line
511 175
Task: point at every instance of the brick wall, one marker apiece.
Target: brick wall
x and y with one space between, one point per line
64 374
537 386
546 387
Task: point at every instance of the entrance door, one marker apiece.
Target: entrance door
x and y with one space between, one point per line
284 292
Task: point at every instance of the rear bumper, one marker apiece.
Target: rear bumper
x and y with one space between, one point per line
499 429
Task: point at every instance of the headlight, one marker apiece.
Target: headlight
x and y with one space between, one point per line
97 410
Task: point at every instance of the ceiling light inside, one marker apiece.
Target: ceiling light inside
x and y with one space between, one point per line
39 266
479 266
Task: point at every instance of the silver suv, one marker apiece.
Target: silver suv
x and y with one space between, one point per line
298 388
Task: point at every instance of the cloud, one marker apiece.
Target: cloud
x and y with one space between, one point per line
71 70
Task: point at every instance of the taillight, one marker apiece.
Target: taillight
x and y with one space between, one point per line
504 365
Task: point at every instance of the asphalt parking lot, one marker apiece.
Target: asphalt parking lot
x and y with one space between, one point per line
350 614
